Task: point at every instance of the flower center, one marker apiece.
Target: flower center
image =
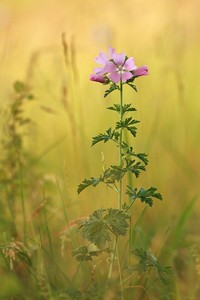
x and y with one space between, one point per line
121 70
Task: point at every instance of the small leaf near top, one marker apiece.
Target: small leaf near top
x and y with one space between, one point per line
132 86
111 89
125 108
87 182
103 137
145 195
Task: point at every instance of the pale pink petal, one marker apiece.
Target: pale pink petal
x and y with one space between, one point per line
142 71
126 76
102 58
115 77
110 67
99 70
129 64
119 58
111 52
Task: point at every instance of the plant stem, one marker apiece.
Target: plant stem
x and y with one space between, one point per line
113 253
120 274
120 144
22 200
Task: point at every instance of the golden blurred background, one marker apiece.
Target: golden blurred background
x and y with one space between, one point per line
51 45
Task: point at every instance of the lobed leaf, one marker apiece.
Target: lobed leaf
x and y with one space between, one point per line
87 182
111 89
128 124
84 254
132 86
103 137
125 108
95 229
145 195
147 261
102 224
134 168
116 219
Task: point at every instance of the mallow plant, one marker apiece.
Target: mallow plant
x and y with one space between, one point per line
104 230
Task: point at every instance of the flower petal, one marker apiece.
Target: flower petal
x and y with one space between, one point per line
99 70
111 52
119 59
126 76
102 58
129 64
110 67
115 77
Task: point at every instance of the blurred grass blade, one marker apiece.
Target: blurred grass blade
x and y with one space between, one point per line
180 227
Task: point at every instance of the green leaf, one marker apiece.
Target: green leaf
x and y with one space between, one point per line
142 157
87 182
132 86
84 254
115 107
116 219
145 195
109 176
81 253
147 261
103 137
95 229
128 124
102 224
113 174
128 152
134 168
132 193
125 108
111 89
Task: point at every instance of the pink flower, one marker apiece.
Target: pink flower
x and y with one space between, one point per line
98 78
142 71
103 59
116 67
120 68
